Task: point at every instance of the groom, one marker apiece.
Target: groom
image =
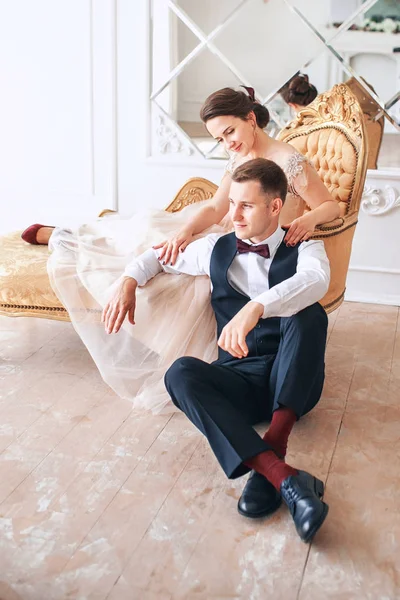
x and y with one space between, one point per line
271 338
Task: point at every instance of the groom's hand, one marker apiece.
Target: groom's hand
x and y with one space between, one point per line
123 302
233 336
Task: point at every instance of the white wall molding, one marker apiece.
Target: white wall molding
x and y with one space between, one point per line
167 139
388 174
378 201
104 111
367 298
373 284
374 274
356 42
369 269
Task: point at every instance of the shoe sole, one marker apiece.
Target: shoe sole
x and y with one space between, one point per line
260 515
319 488
316 527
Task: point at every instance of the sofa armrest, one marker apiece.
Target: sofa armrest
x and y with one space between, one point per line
335 227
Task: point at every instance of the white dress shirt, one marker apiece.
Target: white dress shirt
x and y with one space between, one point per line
248 272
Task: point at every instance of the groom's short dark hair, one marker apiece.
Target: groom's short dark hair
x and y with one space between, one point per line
270 176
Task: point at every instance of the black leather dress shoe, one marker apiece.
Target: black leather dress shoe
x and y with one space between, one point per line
259 497
302 493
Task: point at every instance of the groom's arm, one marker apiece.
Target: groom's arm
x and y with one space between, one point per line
308 285
195 260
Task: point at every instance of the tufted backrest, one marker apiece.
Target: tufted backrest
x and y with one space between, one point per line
335 160
330 132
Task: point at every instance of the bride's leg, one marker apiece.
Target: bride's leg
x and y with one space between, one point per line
43 235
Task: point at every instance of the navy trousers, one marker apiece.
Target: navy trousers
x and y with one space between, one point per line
224 400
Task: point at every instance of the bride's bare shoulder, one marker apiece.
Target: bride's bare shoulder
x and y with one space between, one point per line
285 150
285 155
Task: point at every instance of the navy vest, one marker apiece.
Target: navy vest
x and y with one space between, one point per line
226 301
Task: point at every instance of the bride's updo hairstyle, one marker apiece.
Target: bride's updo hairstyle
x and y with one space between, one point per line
299 90
229 102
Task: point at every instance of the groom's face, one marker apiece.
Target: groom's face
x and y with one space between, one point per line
254 216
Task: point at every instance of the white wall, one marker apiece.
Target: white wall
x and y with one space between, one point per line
56 143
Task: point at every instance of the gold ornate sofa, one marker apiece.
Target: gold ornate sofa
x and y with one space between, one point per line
25 289
330 132
374 126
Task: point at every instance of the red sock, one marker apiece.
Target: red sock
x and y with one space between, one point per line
279 430
272 467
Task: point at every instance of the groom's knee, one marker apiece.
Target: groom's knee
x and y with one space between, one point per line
308 322
181 375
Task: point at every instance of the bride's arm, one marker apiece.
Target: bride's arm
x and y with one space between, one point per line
317 197
210 214
214 211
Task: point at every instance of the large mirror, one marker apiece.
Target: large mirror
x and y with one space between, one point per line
199 47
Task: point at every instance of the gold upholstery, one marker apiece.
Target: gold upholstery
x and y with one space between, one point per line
330 132
25 288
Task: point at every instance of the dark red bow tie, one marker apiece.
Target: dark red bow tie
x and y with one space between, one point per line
261 249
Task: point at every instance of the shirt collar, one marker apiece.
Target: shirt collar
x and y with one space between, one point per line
273 240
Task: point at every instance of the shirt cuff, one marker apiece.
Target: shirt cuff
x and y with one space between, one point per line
270 301
144 267
135 272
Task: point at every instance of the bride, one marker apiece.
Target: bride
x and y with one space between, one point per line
173 316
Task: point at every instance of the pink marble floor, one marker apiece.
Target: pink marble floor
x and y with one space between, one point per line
99 502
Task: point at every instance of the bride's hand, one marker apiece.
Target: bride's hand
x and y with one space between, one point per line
170 248
300 230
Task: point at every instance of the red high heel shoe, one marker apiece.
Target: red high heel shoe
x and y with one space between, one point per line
29 235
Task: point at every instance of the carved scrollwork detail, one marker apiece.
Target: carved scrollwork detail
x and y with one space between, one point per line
376 201
339 105
191 196
168 140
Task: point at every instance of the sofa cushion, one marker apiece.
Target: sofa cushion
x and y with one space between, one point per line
25 288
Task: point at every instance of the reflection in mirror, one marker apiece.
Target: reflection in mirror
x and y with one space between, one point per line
183 97
294 94
372 53
328 16
389 155
199 47
351 33
172 42
369 48
383 138
257 40
208 14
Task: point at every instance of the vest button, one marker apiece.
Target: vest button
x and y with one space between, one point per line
258 326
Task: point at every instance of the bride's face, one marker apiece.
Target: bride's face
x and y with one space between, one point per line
236 134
